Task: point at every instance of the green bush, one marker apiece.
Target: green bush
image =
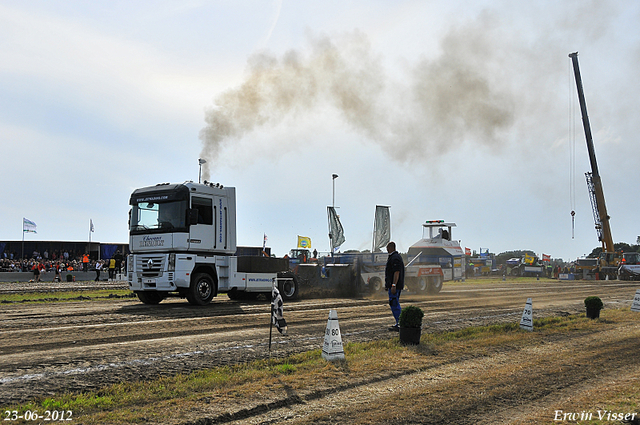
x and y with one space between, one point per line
593 303
411 317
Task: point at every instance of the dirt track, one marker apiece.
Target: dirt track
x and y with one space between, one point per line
75 346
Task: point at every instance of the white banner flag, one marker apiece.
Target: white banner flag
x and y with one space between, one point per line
381 228
336 232
28 226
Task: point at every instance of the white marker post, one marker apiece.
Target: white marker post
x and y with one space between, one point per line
332 348
526 322
636 302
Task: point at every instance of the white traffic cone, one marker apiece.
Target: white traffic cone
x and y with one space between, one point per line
636 302
332 348
526 322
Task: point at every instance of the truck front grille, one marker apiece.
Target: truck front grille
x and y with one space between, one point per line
150 265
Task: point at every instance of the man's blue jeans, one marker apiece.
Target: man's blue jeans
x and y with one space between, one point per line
394 303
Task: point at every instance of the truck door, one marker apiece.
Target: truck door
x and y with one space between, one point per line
202 233
210 233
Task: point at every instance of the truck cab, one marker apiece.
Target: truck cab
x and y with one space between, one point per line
183 217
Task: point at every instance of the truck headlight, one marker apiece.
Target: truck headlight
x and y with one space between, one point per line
171 266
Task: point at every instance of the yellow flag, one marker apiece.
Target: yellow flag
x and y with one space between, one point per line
304 242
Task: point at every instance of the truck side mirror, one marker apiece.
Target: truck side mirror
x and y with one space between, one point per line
193 215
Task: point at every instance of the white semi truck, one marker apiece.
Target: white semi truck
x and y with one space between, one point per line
182 239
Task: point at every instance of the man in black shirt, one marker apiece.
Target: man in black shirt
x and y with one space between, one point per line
394 281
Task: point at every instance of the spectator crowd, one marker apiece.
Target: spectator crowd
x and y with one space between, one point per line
60 262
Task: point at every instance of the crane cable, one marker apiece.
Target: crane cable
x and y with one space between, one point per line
572 152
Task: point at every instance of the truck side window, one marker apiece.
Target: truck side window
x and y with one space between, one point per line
205 210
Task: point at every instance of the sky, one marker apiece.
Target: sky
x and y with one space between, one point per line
459 110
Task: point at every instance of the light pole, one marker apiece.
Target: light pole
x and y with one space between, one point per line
200 162
334 177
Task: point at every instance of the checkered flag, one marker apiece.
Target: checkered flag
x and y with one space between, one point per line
276 311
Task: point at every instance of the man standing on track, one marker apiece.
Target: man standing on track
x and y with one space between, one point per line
394 281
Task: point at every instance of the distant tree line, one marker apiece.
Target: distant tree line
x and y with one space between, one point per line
621 246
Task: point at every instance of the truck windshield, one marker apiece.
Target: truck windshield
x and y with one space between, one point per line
153 217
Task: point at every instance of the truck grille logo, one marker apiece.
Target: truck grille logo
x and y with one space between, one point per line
150 263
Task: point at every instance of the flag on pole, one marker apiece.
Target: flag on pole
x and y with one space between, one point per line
546 257
467 251
304 242
276 311
91 225
28 226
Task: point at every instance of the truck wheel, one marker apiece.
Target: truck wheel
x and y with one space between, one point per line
288 288
436 285
375 285
151 298
422 285
202 290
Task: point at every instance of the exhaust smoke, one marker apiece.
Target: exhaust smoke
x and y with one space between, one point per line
443 102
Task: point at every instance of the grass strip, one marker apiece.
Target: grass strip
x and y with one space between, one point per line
65 296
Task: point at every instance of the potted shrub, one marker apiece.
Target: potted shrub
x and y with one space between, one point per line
410 325
593 305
